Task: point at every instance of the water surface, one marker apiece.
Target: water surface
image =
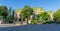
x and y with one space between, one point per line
36 27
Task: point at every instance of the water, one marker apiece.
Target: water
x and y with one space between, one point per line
36 27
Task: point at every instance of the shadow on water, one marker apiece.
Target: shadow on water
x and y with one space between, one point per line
36 27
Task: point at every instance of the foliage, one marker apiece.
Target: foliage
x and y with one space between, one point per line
33 22
57 16
3 11
10 18
41 18
48 22
26 12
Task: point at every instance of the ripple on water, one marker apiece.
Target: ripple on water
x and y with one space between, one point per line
36 27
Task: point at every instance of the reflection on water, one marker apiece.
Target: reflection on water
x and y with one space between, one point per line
36 27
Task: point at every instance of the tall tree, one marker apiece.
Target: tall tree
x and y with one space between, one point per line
27 12
13 16
3 12
10 10
57 16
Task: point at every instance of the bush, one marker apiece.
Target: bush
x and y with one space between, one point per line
44 22
33 22
58 22
48 22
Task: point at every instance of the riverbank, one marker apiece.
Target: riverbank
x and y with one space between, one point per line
10 25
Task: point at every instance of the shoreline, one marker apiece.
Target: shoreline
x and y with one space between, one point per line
9 25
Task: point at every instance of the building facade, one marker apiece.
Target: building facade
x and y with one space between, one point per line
17 15
36 11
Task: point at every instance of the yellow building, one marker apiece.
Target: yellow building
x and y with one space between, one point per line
35 11
17 12
17 15
51 15
38 10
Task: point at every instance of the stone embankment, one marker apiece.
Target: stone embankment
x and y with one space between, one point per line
10 25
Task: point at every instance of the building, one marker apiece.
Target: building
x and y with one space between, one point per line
17 15
51 13
36 11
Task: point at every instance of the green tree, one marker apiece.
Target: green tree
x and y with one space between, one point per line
3 12
26 12
57 16
41 18
10 18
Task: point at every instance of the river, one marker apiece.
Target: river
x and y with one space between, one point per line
36 27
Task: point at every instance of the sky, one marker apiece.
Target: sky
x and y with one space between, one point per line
46 4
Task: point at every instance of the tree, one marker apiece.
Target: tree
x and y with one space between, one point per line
13 16
10 19
47 18
4 12
57 16
10 16
27 12
41 18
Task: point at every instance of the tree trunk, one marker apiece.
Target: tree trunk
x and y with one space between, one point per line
21 20
13 21
28 19
5 20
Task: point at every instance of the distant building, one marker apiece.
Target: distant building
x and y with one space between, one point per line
36 11
17 14
51 15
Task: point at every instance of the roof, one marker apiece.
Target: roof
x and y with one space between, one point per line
18 10
36 8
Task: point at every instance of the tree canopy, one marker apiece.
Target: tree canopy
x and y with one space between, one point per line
27 11
57 16
3 11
